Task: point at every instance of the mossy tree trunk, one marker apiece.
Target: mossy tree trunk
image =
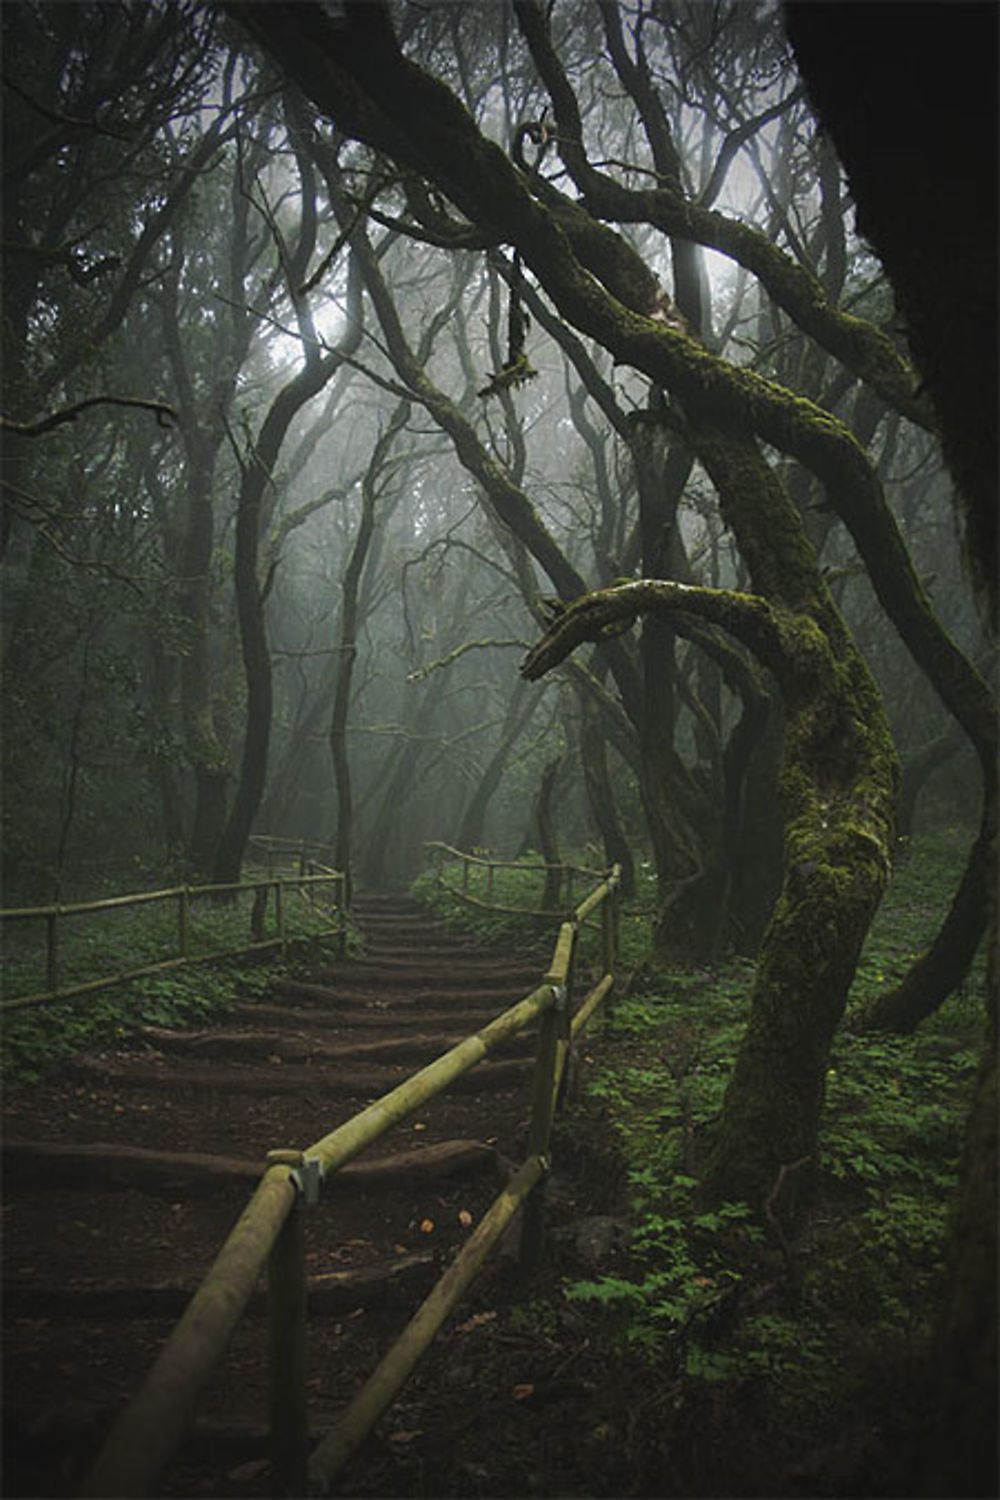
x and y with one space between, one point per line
837 787
601 796
544 824
838 770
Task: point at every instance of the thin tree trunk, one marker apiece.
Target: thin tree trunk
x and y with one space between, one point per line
600 794
940 970
348 650
516 720
918 769
548 844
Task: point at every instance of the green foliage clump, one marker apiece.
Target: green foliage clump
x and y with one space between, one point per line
729 1296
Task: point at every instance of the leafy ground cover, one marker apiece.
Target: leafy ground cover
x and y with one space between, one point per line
798 1360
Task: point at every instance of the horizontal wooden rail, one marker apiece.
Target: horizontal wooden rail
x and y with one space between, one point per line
139 898
490 864
344 1143
486 860
533 912
109 981
184 895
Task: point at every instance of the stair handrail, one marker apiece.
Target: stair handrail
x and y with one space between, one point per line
491 863
269 1233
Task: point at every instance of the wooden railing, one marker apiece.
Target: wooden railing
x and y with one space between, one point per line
270 1234
182 896
272 850
471 863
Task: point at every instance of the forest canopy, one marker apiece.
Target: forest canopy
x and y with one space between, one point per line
483 423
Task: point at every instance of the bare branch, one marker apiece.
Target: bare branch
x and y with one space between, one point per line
164 414
446 661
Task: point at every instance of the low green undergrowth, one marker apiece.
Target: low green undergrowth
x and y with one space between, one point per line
116 940
811 1328
37 1038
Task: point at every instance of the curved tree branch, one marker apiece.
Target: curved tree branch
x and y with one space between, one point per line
164 414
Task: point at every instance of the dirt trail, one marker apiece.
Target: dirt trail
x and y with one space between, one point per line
123 1175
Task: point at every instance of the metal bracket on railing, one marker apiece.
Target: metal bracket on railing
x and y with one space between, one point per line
560 995
308 1178
305 1172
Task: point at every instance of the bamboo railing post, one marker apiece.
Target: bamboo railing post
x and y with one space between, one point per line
258 913
382 1386
286 1346
279 911
540 1130
552 1027
608 944
569 885
182 922
465 874
615 904
52 950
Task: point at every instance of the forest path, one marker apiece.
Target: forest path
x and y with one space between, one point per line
123 1176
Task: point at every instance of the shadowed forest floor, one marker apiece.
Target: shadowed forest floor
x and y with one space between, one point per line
655 1352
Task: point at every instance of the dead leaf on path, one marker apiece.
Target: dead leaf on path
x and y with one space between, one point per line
419 1125
251 1470
405 1437
464 1218
426 1226
476 1321
400 1249
523 1392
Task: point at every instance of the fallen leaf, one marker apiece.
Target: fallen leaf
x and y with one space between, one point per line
426 1226
251 1470
419 1125
400 1249
523 1392
476 1321
405 1437
465 1218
